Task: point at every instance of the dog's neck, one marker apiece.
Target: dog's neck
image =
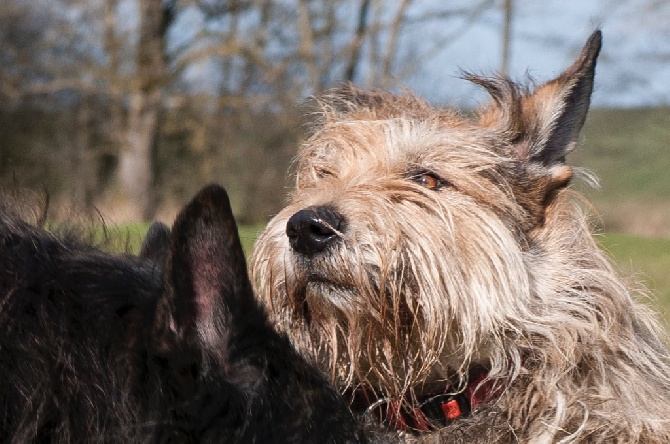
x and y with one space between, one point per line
431 411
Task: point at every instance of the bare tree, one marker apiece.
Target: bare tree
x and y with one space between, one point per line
135 159
359 36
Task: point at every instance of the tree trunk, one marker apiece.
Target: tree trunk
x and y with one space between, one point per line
361 29
135 173
83 159
135 159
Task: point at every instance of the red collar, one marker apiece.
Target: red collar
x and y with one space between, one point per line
433 411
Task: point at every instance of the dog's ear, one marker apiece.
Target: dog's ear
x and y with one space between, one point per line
205 276
543 125
156 244
559 108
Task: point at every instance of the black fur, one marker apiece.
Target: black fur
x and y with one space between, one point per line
167 346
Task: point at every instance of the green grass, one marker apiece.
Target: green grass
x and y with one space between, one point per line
647 259
248 235
125 238
129 237
629 150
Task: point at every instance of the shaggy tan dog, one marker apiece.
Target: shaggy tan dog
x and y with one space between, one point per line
439 266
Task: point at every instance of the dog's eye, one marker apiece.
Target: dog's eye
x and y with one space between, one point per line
427 179
322 172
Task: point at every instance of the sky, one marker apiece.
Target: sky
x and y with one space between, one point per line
633 68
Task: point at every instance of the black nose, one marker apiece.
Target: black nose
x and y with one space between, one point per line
311 230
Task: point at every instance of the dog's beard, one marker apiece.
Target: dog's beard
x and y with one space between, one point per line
356 310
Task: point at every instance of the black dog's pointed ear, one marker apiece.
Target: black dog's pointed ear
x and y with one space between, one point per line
206 272
157 243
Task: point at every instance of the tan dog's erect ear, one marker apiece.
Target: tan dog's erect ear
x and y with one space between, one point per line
543 125
560 107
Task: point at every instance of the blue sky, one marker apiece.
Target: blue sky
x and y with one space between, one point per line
633 68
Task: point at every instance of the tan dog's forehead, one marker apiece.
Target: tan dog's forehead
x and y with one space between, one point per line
401 144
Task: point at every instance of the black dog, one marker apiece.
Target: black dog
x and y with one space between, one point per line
168 346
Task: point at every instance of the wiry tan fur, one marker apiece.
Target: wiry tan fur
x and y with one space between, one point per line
497 267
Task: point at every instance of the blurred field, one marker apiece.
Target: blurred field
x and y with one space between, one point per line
629 150
248 235
645 259
129 237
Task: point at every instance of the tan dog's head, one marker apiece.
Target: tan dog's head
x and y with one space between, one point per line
412 247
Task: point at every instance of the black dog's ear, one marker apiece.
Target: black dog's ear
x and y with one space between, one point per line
157 243
205 276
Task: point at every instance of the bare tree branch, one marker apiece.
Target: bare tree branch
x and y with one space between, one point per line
354 58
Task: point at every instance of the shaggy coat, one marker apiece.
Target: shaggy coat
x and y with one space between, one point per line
421 246
167 347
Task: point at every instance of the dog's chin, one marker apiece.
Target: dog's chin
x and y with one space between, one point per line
321 293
